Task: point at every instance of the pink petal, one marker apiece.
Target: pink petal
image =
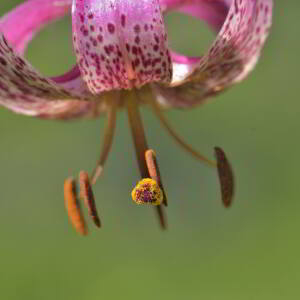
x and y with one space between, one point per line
120 44
233 55
213 12
25 91
72 82
20 25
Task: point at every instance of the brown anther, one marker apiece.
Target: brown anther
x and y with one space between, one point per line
86 193
73 207
226 177
151 161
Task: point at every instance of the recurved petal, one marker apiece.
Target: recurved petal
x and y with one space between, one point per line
20 24
72 82
120 44
213 12
26 91
72 109
232 56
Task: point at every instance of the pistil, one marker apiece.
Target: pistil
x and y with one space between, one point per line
141 146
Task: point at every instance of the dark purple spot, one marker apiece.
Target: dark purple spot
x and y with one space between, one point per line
100 38
137 28
111 28
155 48
81 16
134 50
137 39
123 20
136 62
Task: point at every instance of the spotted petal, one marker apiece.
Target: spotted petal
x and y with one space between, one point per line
19 31
120 44
230 59
23 89
212 12
26 91
20 25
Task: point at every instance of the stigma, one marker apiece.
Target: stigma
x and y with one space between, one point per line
147 191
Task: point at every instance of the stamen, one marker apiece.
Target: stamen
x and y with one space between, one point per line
154 173
86 193
137 130
225 173
226 177
109 132
73 207
177 138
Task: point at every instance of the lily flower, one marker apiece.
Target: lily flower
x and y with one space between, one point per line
124 61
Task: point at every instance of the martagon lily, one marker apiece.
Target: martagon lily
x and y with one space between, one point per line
123 61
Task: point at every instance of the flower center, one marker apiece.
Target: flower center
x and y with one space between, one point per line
149 190
120 44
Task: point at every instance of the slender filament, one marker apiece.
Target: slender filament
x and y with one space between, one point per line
109 133
158 111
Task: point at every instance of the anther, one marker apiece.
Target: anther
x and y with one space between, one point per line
151 161
73 207
86 193
226 177
147 191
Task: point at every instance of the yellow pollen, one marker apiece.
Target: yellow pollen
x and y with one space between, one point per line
147 191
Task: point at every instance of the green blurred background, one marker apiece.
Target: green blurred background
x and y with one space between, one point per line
250 251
